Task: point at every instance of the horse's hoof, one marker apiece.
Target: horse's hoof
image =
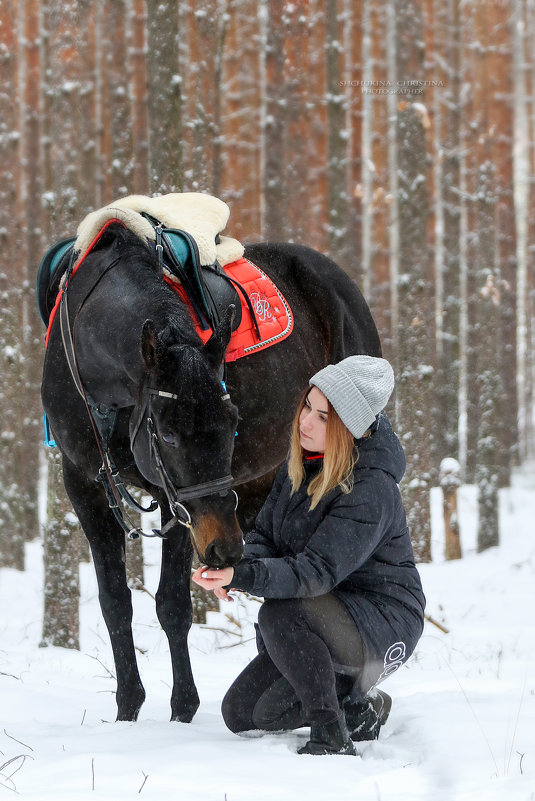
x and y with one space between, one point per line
129 709
186 712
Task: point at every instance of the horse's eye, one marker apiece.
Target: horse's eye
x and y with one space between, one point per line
169 438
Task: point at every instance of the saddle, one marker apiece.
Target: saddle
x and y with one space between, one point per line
209 290
204 267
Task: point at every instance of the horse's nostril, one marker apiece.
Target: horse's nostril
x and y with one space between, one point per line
223 554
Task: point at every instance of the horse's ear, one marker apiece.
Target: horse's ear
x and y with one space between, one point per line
149 345
215 348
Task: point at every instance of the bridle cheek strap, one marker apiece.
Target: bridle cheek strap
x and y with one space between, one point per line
176 496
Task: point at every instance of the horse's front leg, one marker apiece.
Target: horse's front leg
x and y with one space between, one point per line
108 548
173 605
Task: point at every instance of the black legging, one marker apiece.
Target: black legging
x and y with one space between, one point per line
313 654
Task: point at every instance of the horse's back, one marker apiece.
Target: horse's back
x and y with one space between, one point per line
306 275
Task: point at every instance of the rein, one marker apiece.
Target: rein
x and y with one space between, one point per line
103 419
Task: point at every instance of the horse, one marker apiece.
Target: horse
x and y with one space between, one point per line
125 347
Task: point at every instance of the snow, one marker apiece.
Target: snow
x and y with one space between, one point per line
462 723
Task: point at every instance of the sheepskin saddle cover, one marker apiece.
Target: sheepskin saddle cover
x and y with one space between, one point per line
202 216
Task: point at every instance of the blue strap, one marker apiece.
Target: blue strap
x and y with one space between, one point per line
48 441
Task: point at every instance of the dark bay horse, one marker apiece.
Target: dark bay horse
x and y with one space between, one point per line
136 351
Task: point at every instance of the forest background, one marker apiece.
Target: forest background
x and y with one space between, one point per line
397 137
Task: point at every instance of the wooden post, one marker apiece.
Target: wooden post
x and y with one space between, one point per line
450 482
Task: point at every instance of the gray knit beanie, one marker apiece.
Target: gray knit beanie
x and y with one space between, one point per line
358 388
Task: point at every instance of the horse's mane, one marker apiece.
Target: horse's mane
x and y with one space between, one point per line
145 270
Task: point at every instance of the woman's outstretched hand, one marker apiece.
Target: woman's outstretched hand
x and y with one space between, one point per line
215 580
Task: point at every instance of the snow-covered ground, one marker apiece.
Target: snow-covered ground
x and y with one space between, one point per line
462 724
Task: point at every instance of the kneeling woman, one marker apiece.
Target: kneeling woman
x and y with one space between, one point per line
332 557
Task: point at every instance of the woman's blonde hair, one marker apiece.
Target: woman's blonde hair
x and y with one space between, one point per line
338 458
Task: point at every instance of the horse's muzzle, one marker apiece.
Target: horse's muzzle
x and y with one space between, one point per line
215 544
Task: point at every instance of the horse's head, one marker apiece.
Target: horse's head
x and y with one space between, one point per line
182 437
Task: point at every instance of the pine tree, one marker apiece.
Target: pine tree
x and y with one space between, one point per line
502 121
61 622
274 101
12 411
416 324
116 121
241 132
448 124
207 35
337 156
523 26
70 183
137 61
489 382
164 97
31 225
12 532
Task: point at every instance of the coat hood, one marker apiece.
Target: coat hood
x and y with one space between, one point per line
382 450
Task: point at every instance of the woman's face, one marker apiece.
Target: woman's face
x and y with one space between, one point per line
313 421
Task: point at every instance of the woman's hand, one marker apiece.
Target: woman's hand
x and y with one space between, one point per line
215 580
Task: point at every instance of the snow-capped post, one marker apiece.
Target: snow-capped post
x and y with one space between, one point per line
450 481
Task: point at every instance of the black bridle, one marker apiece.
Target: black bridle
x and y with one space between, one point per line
176 497
103 420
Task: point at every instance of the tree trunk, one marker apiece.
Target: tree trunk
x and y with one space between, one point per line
273 125
207 32
61 622
489 385
416 323
165 97
70 179
12 400
241 82
523 169
138 88
337 154
448 67
116 124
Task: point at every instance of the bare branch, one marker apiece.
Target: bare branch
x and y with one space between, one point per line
17 741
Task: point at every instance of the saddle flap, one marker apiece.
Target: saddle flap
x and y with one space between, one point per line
209 290
221 294
51 269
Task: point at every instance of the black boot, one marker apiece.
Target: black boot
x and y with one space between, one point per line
365 718
329 738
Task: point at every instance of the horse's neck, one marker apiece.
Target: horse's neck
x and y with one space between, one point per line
109 337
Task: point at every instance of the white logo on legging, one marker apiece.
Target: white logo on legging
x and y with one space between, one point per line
394 658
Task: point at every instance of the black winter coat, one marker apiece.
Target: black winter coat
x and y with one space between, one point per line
355 545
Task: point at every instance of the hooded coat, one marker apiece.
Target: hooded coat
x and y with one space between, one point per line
354 545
